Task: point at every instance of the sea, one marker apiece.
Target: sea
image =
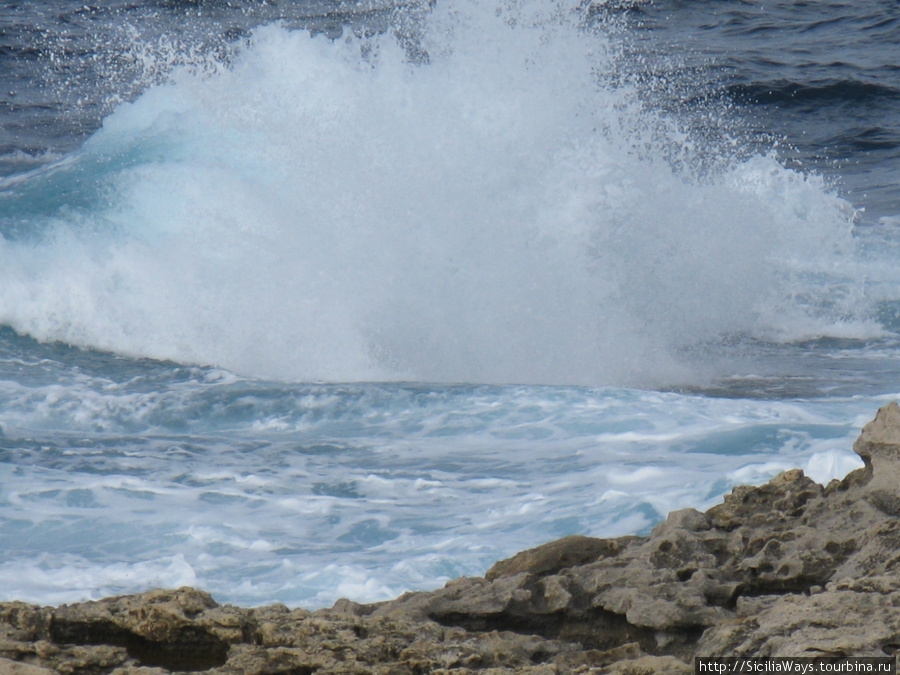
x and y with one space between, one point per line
311 299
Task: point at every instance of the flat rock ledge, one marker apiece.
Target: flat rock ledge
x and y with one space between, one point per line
790 568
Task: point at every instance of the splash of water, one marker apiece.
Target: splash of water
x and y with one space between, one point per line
329 210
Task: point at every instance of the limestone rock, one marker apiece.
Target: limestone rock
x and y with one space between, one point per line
10 667
783 496
557 555
879 442
879 446
788 568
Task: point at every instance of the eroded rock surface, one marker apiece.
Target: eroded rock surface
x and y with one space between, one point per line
790 568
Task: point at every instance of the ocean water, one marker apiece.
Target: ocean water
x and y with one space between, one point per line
307 300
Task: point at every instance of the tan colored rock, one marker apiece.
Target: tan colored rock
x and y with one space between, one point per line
556 556
648 665
10 667
879 442
879 446
684 519
784 496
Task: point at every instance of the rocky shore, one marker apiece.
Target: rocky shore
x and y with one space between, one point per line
790 568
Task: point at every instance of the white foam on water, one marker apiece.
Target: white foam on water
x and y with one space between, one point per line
55 580
328 211
829 464
362 506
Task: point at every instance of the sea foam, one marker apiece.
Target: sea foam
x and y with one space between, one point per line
363 491
492 210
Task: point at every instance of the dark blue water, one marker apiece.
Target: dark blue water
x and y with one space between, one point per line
65 65
817 81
